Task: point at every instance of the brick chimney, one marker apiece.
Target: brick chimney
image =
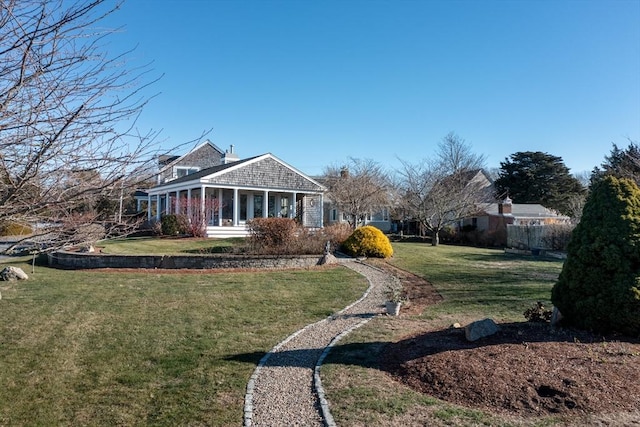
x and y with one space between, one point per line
504 207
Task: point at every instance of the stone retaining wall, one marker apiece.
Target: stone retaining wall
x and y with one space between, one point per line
79 260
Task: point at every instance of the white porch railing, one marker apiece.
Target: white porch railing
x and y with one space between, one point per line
222 232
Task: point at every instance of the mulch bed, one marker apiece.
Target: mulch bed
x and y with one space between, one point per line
527 369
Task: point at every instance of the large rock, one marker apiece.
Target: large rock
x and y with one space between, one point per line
480 329
11 274
328 259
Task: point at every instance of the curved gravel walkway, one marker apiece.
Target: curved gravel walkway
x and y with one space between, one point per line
285 389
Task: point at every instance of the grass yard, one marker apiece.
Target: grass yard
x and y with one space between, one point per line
475 283
167 246
106 348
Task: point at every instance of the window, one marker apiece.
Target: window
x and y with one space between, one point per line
271 206
180 171
257 206
243 207
334 215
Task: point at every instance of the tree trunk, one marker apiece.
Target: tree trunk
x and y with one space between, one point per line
435 239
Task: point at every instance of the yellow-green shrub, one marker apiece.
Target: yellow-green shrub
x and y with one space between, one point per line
368 241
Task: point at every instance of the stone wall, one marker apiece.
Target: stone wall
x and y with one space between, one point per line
80 260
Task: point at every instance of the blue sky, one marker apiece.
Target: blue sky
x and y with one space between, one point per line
317 82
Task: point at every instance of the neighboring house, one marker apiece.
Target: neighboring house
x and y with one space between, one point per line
380 219
228 192
509 220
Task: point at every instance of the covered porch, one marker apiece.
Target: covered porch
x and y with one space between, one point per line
224 211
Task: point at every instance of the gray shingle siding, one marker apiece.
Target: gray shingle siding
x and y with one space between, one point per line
205 157
267 173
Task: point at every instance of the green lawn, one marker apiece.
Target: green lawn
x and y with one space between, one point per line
155 245
475 283
97 348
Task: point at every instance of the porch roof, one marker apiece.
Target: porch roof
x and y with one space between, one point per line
265 171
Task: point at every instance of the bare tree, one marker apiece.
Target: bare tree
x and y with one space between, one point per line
442 191
358 189
67 116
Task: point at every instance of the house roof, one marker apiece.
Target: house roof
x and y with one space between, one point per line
206 172
523 210
264 171
167 160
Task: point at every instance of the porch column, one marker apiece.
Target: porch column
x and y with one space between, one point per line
219 208
158 206
189 202
292 205
265 208
236 206
177 207
203 212
167 209
148 207
321 207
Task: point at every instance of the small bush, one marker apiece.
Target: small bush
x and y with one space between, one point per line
538 313
12 228
271 235
174 224
368 241
335 233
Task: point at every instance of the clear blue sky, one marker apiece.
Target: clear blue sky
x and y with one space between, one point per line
317 82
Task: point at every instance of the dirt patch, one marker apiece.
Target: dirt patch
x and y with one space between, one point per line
527 369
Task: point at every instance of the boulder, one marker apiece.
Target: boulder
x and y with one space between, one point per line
11 274
328 259
480 329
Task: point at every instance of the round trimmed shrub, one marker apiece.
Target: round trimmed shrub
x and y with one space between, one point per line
368 241
599 286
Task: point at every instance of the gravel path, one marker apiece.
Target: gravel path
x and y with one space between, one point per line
285 388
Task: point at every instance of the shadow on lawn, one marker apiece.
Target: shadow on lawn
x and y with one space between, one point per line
388 355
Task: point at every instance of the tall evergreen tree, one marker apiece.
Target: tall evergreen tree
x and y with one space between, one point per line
599 286
620 163
537 177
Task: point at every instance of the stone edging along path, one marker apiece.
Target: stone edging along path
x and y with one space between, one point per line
285 388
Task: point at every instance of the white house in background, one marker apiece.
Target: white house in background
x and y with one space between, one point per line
228 192
380 219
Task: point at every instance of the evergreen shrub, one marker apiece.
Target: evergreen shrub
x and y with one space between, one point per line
599 286
174 224
368 241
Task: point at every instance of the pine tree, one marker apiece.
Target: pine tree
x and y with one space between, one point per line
599 286
536 177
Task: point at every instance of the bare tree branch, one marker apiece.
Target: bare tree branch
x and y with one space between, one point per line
357 189
441 191
68 114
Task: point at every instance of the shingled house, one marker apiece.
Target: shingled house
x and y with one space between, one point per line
224 192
